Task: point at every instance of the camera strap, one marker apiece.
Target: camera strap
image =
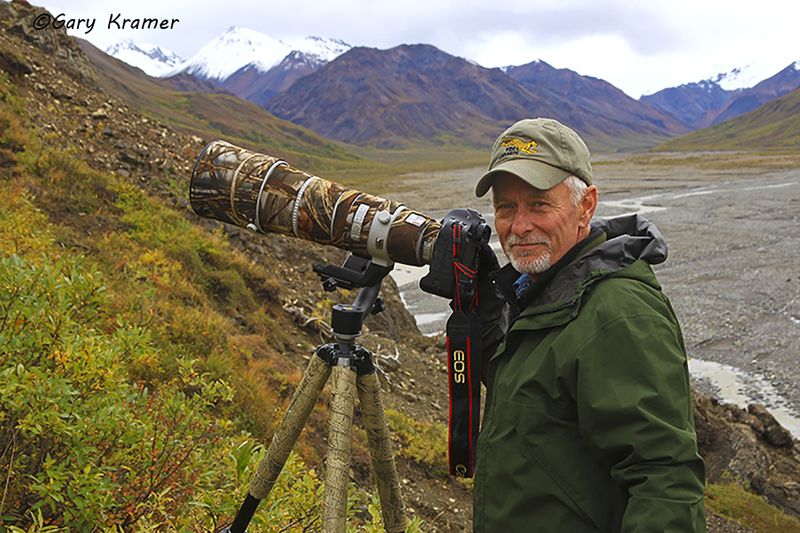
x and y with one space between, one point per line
464 330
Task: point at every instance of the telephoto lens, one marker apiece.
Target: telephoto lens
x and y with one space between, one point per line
265 194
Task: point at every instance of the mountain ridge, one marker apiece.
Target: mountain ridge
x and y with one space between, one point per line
237 48
201 112
775 125
152 59
396 112
717 99
783 82
419 93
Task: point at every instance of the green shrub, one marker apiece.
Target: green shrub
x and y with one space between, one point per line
89 447
419 440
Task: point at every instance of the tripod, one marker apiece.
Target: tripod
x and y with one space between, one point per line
351 370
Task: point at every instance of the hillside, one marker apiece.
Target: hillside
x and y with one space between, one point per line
208 114
773 126
146 354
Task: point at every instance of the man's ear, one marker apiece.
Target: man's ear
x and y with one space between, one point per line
588 206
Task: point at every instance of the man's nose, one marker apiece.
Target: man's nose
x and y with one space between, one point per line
521 223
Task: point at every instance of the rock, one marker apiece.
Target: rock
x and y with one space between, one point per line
732 446
99 113
389 363
128 157
771 431
14 64
441 342
231 230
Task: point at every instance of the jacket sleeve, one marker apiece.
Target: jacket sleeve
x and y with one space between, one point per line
635 408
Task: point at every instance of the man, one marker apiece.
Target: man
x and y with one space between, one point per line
588 421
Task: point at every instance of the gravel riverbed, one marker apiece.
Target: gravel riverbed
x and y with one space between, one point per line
732 222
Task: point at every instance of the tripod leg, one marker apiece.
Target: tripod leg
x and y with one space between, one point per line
380 448
337 467
286 435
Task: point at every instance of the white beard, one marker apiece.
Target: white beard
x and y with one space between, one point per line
528 264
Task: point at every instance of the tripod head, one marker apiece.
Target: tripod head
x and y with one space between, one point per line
355 272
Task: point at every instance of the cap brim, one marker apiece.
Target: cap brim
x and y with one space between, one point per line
536 173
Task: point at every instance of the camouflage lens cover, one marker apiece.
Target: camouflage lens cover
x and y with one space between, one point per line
228 182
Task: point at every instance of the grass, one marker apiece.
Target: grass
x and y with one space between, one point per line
760 159
733 502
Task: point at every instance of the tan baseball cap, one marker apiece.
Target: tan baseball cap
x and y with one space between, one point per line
541 151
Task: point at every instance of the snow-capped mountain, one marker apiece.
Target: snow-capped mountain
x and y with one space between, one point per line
240 47
259 87
322 49
737 78
153 60
725 95
697 103
746 100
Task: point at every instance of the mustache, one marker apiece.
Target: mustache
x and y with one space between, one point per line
529 238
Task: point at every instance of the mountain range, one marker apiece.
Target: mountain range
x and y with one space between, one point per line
418 94
708 102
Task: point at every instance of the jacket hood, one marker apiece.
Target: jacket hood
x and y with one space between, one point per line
628 238
613 245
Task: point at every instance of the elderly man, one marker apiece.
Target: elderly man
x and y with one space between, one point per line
588 423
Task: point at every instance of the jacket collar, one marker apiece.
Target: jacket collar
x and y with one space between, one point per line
505 277
612 247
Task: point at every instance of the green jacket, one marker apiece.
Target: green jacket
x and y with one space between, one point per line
588 422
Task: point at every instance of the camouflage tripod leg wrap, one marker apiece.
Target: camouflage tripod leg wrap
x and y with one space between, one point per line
337 466
380 449
286 435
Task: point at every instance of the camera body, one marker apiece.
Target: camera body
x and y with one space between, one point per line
462 233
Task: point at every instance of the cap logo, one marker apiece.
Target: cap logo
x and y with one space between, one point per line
516 146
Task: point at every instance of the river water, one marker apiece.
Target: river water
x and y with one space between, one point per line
730 383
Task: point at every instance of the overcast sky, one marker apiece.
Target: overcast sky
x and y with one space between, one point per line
639 46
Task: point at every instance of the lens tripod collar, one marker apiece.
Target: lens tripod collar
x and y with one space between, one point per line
379 234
